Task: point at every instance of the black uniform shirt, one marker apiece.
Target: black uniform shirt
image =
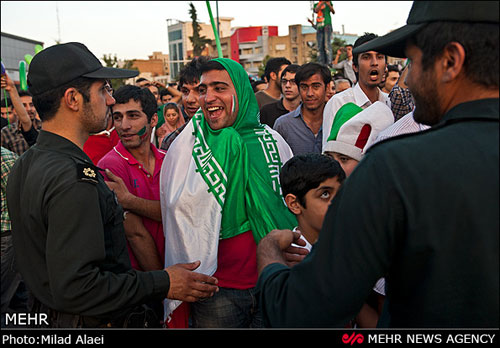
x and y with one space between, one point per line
68 234
421 210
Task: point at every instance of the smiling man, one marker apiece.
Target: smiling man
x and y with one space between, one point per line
302 128
137 161
220 194
66 222
369 67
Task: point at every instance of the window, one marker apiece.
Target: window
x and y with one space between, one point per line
175 35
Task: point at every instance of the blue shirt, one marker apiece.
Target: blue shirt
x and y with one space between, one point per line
297 133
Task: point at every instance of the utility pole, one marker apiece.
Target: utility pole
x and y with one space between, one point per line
217 10
58 25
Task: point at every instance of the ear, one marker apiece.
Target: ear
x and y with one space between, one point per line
154 120
72 99
355 68
293 204
452 61
273 76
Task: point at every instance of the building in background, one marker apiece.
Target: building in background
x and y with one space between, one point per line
180 47
14 48
250 45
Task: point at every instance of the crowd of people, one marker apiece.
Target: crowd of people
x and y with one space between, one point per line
308 199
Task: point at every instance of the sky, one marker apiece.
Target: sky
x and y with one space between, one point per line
134 29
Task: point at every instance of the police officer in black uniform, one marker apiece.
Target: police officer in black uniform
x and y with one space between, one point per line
67 225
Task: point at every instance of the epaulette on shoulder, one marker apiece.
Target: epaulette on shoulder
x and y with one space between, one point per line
87 173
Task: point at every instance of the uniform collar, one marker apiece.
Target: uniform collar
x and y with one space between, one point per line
477 109
54 142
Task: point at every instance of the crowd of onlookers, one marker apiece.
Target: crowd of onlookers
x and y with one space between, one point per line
208 166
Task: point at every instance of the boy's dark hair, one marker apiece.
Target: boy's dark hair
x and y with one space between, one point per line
47 103
480 41
140 79
164 92
25 93
292 68
361 40
305 172
274 65
191 73
210 65
6 103
256 83
309 69
392 68
138 94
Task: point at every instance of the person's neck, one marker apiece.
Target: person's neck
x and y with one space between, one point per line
273 90
467 92
371 92
291 104
309 233
64 127
144 155
385 90
313 118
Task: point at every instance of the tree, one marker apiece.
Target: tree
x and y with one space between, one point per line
198 41
112 62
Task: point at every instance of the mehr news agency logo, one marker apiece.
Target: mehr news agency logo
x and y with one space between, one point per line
355 338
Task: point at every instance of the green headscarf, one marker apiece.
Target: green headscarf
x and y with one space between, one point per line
249 163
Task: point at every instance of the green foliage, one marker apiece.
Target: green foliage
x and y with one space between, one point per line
262 67
198 41
112 62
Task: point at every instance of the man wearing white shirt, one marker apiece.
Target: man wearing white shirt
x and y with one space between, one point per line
369 67
404 125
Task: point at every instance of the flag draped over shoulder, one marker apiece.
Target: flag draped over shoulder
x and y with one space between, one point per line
216 184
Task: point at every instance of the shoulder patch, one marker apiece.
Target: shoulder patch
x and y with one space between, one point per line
87 173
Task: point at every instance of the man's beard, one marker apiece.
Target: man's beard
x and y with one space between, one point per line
427 104
92 123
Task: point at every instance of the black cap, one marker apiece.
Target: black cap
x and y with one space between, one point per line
423 12
59 64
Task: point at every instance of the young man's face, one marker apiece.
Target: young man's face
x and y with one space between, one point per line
289 88
156 93
166 98
348 50
317 202
9 112
313 92
28 105
218 99
96 112
275 78
190 98
130 120
391 79
347 163
371 68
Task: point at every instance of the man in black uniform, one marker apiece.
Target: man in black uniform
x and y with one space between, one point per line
420 209
67 225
